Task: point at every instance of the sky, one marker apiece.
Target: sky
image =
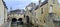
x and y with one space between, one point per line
19 4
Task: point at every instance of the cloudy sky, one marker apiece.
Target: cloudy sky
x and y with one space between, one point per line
21 4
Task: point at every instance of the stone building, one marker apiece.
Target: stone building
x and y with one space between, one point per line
16 15
29 10
47 13
3 12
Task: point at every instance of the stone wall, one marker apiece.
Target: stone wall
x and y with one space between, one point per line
1 12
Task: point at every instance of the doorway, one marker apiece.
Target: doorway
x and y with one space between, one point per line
27 17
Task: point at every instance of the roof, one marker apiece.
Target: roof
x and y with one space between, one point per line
15 10
37 7
4 4
31 4
18 11
43 3
34 8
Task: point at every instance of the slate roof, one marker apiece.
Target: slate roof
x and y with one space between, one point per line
4 4
18 11
43 3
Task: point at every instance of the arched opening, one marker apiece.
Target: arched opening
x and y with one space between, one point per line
20 22
14 19
27 17
20 19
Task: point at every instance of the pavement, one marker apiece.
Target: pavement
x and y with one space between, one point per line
2 25
5 24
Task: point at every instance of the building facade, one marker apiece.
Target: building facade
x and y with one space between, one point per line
48 13
29 10
16 15
3 12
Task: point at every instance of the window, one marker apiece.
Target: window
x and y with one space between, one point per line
24 15
35 13
50 10
44 21
40 20
41 10
53 1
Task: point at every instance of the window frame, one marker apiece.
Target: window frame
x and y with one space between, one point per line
41 10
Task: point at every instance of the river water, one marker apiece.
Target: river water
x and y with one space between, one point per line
24 25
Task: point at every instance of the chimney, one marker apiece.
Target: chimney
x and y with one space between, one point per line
39 2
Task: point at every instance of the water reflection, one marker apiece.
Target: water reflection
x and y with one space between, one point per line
17 25
20 25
